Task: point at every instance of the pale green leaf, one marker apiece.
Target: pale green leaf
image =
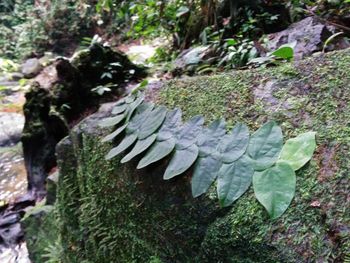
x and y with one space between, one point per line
158 151
234 180
265 145
275 187
181 161
299 150
140 146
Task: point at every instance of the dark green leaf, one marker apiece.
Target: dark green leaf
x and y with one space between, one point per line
141 113
125 144
132 107
114 134
233 146
152 123
275 187
265 145
181 161
299 150
209 138
205 172
234 180
187 135
112 121
158 151
140 147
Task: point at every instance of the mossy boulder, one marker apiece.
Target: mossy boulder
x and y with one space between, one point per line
112 212
61 96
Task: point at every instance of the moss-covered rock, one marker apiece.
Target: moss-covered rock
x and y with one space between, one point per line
109 212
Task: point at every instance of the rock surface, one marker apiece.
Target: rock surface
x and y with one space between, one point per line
31 67
11 125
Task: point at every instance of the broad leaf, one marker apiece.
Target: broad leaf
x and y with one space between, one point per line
140 147
233 146
209 138
187 135
205 172
114 134
299 150
158 151
275 187
284 52
125 144
170 125
132 107
181 161
112 121
265 145
234 180
141 113
152 123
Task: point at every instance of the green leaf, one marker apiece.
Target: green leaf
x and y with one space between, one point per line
209 138
284 52
233 146
182 11
125 144
114 134
181 161
112 121
205 172
158 151
140 147
119 109
132 107
275 187
234 180
187 135
265 145
153 121
299 150
170 125
136 121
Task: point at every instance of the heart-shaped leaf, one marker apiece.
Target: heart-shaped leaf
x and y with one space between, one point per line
234 180
275 187
181 161
209 138
158 151
187 135
114 134
265 145
205 172
233 146
125 144
141 114
112 121
140 147
299 150
152 123
170 125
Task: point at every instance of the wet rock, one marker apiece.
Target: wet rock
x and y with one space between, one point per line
11 125
309 35
31 67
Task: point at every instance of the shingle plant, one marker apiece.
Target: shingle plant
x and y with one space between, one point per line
235 160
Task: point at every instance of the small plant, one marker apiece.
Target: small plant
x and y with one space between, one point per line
234 160
284 53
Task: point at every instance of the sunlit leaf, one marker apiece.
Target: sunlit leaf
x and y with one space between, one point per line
299 150
140 147
234 180
275 187
181 161
265 145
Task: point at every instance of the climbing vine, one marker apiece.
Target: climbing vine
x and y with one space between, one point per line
235 160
